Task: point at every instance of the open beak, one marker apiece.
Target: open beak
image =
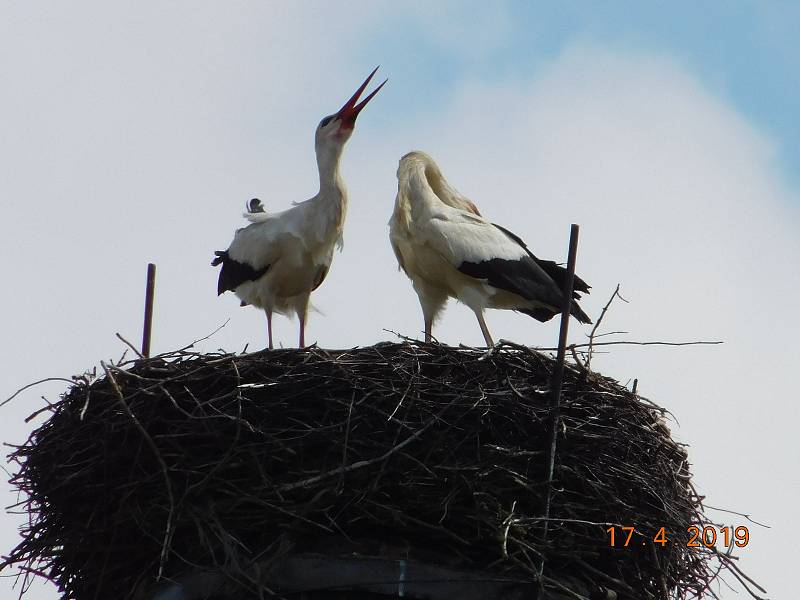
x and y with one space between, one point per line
348 113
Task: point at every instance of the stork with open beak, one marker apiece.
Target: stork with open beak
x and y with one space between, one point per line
280 258
449 250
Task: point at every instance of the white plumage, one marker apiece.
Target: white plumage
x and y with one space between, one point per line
449 250
280 258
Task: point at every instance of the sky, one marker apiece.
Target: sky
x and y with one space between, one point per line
134 132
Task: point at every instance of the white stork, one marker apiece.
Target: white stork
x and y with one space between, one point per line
449 250
280 258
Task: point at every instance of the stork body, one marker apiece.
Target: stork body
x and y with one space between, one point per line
449 250
280 258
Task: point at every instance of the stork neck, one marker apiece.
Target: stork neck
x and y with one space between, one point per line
330 180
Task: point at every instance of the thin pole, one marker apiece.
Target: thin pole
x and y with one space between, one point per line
148 309
558 374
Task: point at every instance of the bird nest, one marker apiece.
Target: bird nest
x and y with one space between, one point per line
229 467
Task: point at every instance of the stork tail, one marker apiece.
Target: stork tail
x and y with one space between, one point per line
544 314
234 273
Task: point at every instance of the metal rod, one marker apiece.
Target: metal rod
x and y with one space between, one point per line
148 309
558 373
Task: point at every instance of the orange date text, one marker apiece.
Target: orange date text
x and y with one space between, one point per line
708 536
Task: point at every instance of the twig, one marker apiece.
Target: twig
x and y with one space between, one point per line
746 516
35 383
616 294
206 337
131 346
632 343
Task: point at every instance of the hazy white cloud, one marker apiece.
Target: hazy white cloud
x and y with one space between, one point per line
138 136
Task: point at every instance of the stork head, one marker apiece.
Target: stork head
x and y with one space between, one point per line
337 128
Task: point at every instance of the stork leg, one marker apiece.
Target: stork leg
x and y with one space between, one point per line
269 326
301 310
484 329
432 301
428 329
302 331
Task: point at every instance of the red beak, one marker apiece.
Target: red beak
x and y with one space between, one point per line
348 113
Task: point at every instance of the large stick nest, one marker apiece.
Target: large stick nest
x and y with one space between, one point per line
199 463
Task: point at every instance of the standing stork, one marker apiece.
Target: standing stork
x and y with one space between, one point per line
449 250
280 258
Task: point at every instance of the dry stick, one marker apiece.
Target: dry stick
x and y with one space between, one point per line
597 324
738 574
503 343
148 309
558 374
30 385
129 345
733 512
50 407
626 343
159 458
205 337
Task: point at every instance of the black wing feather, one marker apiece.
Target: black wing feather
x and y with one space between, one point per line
234 273
556 272
523 277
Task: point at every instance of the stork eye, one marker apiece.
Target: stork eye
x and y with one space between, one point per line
325 121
